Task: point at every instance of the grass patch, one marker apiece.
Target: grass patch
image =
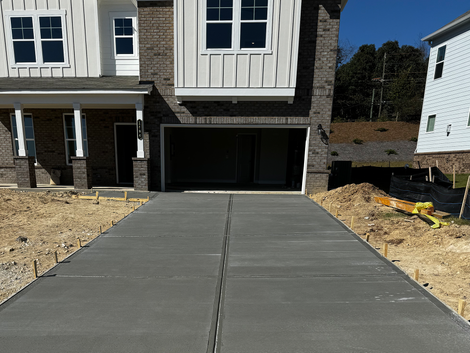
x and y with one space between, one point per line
460 180
456 220
394 164
392 215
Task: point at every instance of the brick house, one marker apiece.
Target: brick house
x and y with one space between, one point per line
171 94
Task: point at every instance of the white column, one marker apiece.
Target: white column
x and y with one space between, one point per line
22 148
304 176
139 110
77 113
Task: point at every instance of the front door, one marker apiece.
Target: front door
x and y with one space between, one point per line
126 149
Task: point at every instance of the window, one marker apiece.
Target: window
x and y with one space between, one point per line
37 38
29 134
237 25
123 36
70 137
441 54
431 122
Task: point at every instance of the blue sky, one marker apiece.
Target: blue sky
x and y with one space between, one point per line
377 21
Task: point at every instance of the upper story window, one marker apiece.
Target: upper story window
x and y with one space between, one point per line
37 38
441 54
28 132
124 35
430 124
237 25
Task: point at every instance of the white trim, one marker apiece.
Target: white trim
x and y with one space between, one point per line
175 47
236 31
235 94
439 62
116 151
77 114
139 108
23 92
304 176
20 131
36 14
85 141
162 156
427 123
135 35
232 126
23 153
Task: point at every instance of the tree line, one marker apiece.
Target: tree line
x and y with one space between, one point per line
380 84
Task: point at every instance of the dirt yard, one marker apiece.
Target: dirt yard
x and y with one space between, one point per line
441 255
33 225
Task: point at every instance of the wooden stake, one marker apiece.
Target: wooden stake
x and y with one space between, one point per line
462 304
112 223
97 195
148 197
79 243
336 213
125 195
416 275
141 203
100 230
367 237
453 178
352 222
465 197
55 257
35 269
329 208
133 207
386 250
321 203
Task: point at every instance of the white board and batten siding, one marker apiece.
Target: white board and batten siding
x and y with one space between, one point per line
82 41
225 73
112 65
448 97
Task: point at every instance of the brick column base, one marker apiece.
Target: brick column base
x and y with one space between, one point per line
316 182
81 173
25 172
141 174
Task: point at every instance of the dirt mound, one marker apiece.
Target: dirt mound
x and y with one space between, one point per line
441 255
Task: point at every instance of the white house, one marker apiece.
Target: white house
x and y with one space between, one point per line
444 134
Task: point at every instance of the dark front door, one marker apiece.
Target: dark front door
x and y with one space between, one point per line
126 149
246 158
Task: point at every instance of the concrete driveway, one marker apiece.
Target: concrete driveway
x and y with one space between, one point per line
233 274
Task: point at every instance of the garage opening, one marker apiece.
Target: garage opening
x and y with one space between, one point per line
264 159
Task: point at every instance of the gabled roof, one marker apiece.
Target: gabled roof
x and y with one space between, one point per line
451 25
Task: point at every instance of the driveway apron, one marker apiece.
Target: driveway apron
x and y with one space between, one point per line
210 273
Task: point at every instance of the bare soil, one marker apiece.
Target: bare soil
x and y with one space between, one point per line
34 225
367 131
441 255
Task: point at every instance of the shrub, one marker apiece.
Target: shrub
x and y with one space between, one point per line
381 129
390 151
414 139
358 141
334 153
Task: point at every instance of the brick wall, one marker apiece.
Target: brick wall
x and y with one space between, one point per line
445 160
312 103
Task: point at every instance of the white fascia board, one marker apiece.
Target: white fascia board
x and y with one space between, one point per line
235 94
67 100
448 27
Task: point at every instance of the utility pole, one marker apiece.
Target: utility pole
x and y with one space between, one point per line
372 104
382 89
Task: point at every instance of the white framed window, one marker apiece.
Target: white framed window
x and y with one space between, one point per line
441 55
36 38
29 134
236 26
431 123
70 137
124 35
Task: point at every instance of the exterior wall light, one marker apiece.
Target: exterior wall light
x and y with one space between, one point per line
323 136
448 129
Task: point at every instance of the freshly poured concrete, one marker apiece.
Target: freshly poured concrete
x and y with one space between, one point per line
241 273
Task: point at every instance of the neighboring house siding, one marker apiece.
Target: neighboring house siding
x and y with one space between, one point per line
448 97
82 39
276 68
112 65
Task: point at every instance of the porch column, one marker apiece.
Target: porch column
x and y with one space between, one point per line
77 113
81 168
22 149
140 163
139 110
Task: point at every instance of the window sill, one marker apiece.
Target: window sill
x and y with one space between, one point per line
235 52
40 66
